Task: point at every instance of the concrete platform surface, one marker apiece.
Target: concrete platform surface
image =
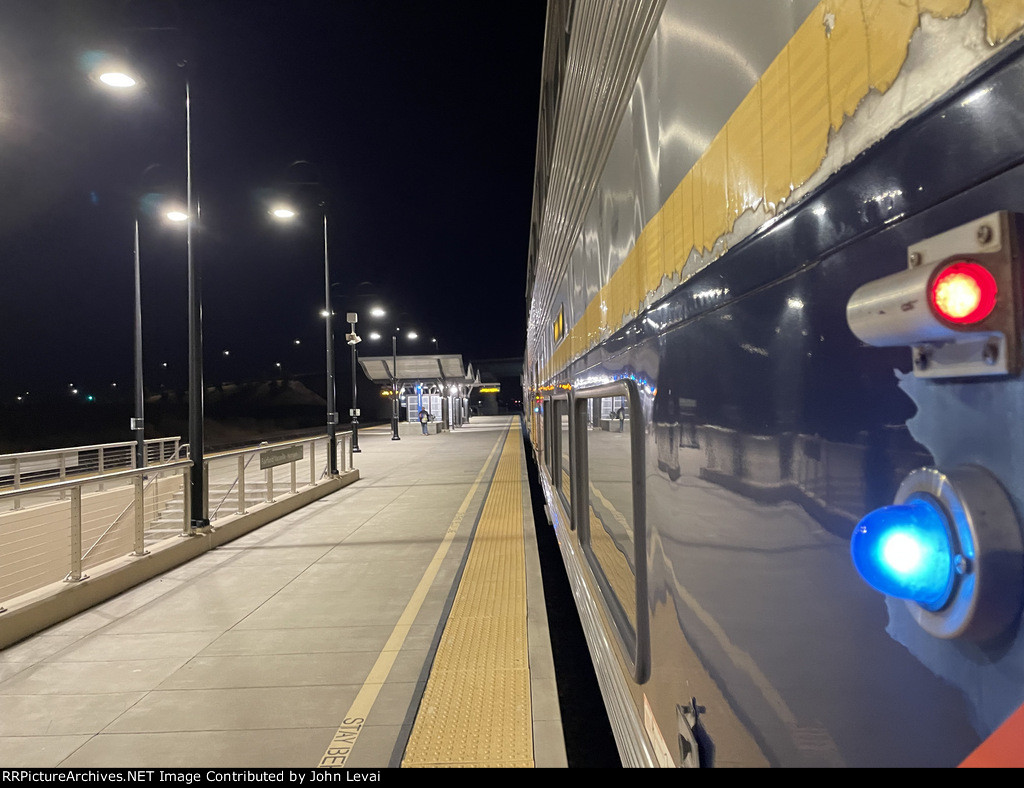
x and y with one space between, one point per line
256 654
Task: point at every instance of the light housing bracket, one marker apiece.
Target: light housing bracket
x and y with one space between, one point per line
896 309
986 596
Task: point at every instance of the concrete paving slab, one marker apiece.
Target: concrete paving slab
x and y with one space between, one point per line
253 653
37 751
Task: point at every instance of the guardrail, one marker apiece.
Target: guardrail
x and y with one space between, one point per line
59 529
54 531
239 479
36 467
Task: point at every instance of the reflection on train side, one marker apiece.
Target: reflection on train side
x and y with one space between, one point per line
609 501
609 509
800 645
834 482
565 441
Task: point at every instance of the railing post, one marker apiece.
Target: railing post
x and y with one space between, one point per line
312 461
17 481
62 464
99 462
76 535
140 515
292 466
270 485
241 484
205 470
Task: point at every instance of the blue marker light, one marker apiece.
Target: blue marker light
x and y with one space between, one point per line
906 552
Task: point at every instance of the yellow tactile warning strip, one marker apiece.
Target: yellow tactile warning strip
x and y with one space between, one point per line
476 709
340 748
773 143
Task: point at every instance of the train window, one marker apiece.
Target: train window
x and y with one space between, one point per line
561 467
549 439
539 434
611 508
565 440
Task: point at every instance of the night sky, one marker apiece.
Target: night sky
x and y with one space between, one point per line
418 122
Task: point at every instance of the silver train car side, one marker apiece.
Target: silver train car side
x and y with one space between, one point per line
773 369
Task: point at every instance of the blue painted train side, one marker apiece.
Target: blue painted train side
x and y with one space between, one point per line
706 462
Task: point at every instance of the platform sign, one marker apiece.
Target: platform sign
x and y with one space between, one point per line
274 457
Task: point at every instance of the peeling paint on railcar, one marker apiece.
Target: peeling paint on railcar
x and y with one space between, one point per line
827 97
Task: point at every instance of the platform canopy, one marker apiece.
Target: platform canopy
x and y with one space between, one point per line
442 369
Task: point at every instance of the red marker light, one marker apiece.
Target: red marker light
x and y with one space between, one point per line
963 293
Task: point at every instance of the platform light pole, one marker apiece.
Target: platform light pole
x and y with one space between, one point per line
332 410
138 421
120 79
353 339
196 436
286 213
394 386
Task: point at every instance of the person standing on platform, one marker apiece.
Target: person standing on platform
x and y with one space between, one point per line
424 418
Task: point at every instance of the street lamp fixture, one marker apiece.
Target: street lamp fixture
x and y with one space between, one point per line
286 213
120 79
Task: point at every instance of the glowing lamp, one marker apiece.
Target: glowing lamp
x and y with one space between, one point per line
963 293
117 79
957 305
906 551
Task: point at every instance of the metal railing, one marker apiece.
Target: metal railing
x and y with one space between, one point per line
59 529
32 468
56 530
242 478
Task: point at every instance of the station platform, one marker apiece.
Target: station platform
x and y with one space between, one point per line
397 622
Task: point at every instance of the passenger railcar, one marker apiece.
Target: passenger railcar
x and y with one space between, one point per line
739 353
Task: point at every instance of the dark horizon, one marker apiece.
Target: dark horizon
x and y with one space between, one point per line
419 124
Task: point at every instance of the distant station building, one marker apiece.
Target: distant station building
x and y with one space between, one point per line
438 384
501 388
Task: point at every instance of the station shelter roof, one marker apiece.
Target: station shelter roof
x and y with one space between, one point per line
447 369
